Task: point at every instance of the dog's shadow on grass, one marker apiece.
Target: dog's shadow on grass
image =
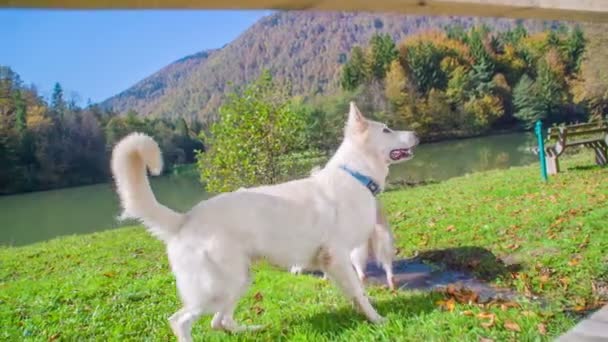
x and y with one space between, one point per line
331 323
478 261
471 264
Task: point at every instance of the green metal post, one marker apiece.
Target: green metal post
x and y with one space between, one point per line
541 149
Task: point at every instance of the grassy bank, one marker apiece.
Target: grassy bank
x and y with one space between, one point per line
541 240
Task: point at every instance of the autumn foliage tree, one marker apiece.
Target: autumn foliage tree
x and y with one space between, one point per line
45 145
460 82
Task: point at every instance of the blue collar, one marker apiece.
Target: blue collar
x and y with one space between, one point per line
363 179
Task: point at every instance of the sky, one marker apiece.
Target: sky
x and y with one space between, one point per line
97 54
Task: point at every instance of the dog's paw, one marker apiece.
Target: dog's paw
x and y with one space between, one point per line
296 270
379 320
391 283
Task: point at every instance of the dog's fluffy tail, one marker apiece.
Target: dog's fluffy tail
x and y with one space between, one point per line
130 159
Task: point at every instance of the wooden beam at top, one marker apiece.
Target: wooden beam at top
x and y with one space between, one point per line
574 10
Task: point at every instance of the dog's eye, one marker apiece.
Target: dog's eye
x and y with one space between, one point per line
386 130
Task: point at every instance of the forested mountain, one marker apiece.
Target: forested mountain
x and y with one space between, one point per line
304 49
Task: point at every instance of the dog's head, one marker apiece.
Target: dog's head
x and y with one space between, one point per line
379 140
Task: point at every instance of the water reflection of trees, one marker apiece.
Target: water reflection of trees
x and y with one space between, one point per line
444 160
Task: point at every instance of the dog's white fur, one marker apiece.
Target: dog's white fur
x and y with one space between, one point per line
381 246
316 222
380 243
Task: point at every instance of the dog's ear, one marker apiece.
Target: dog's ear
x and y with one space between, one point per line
356 121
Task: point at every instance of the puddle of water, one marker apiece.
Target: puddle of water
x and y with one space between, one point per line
413 274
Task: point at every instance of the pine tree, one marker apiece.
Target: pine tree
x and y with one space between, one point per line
484 67
355 71
528 105
424 61
383 52
20 112
58 105
575 48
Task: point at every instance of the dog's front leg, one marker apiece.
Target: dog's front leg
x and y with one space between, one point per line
339 268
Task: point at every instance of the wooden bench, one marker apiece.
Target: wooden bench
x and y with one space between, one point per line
593 135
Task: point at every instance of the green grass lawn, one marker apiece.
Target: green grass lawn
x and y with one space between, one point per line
547 240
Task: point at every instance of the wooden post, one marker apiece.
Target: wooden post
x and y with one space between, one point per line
552 164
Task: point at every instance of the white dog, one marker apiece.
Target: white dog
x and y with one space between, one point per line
317 221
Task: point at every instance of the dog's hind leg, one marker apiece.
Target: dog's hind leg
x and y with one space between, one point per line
224 319
196 278
390 278
181 323
229 324
358 257
339 268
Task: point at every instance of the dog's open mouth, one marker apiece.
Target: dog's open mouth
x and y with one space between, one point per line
401 153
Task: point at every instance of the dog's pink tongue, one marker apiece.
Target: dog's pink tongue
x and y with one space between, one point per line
398 154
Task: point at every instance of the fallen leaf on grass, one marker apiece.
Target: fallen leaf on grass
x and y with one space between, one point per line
544 278
542 329
467 313
400 214
450 228
487 315
507 305
54 337
462 295
484 339
258 310
258 297
584 243
488 324
580 308
573 262
558 222
565 281
509 325
513 246
448 305
109 274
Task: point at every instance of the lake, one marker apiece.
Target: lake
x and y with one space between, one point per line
38 216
